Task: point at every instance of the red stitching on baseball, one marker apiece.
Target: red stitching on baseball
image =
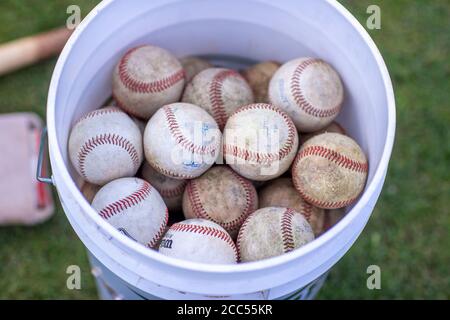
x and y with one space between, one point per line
286 230
335 157
316 202
174 192
324 204
160 232
300 98
103 139
209 231
122 105
307 210
99 112
181 139
241 233
142 86
215 94
194 200
170 173
199 209
129 201
263 157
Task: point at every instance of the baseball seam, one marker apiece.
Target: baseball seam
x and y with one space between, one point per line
99 112
215 94
300 98
181 139
334 156
287 235
139 86
263 157
160 232
209 231
103 139
129 201
173 192
341 160
240 236
124 107
200 212
170 173
306 210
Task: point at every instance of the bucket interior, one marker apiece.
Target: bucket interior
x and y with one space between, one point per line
273 31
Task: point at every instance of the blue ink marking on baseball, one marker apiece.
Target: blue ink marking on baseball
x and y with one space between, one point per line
191 164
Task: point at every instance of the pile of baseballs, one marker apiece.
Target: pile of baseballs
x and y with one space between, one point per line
214 165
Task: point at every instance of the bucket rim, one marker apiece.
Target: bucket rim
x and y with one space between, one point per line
371 188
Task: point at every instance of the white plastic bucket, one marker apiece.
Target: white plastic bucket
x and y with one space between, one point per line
253 29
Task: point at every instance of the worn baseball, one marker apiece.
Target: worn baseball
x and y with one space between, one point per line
281 193
260 141
171 190
332 217
219 91
330 171
134 207
145 79
309 90
332 127
272 231
199 240
258 77
193 66
89 190
182 141
104 145
222 196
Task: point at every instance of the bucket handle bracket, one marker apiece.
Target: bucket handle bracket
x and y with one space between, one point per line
39 171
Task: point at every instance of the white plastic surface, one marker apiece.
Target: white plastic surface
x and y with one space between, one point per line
246 29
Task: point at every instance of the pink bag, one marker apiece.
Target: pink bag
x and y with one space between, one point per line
23 200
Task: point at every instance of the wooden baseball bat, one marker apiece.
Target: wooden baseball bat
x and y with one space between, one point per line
29 50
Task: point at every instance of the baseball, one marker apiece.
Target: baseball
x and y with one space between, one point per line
219 91
171 190
222 196
309 90
104 145
134 207
145 79
332 217
89 190
199 240
260 141
332 127
258 77
192 66
181 141
271 232
330 171
281 193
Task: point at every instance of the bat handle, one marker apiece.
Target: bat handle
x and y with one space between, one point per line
29 50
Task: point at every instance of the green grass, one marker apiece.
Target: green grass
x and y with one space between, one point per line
408 234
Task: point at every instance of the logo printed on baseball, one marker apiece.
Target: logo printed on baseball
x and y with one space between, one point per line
199 240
